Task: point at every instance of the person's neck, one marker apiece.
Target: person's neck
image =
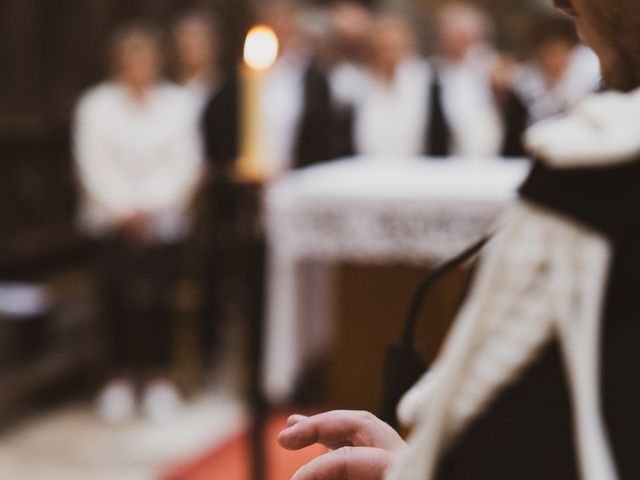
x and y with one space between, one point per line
293 53
201 74
456 58
387 73
552 79
137 92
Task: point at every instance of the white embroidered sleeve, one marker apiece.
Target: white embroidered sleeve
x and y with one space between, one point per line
532 268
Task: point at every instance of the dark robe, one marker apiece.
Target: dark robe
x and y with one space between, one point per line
527 432
221 122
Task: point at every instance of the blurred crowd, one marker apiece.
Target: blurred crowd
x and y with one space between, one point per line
347 81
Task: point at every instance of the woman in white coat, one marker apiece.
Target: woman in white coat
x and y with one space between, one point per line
138 160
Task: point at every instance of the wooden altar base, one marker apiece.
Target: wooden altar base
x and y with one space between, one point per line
371 306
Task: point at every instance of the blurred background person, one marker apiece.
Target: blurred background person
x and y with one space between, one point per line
401 113
295 109
295 114
351 24
347 57
464 63
197 54
138 161
197 49
561 72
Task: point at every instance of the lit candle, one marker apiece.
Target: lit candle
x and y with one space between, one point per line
260 53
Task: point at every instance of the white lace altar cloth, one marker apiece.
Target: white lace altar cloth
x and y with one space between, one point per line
415 211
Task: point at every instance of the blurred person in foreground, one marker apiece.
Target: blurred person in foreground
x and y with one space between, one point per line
295 103
537 379
400 113
197 53
138 160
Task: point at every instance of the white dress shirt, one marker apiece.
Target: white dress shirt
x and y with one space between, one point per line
201 89
469 106
392 118
281 108
349 83
137 156
581 78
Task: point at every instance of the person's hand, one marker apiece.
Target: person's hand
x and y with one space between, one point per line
362 446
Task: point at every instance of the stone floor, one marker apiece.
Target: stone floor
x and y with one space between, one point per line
73 444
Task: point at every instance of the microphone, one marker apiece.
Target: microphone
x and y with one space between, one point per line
404 364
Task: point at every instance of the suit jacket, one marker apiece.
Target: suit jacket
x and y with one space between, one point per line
222 116
516 120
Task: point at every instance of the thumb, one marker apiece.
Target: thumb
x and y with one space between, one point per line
348 463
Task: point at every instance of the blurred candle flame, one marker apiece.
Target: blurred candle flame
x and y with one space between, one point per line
261 48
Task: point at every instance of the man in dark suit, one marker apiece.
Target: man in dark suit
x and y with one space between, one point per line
295 105
399 111
295 116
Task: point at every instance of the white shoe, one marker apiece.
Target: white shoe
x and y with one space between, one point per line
161 401
116 402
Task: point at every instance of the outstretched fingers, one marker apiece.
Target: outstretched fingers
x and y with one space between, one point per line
339 429
295 419
348 463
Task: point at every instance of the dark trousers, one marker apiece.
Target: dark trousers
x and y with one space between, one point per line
138 285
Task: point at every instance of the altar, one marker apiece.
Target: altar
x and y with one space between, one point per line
371 212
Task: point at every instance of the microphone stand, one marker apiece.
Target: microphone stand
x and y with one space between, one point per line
404 364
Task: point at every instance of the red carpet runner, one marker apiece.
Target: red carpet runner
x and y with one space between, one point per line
231 461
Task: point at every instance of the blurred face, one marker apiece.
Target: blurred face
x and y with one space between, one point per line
195 45
457 34
391 44
352 26
554 57
138 62
284 22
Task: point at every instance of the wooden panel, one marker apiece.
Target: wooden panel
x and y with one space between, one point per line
51 51
372 304
19 30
